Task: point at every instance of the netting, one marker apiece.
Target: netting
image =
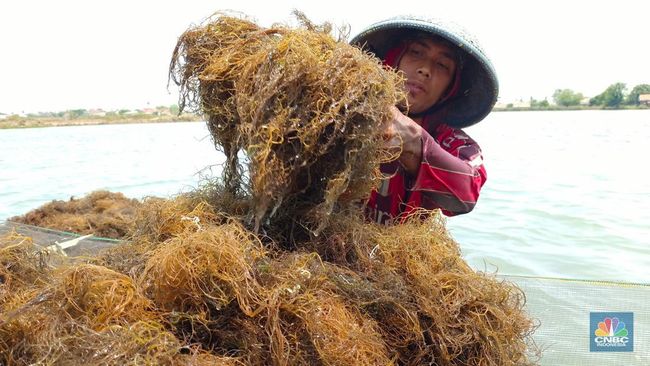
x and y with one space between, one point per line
48 237
562 307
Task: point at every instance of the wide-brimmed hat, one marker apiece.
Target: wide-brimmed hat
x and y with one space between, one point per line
479 86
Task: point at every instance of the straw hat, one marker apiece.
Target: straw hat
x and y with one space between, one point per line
479 86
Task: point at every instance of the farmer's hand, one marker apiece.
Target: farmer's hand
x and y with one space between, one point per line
405 133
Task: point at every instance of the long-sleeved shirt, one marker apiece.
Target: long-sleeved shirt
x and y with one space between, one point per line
450 177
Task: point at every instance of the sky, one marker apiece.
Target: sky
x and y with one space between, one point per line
66 54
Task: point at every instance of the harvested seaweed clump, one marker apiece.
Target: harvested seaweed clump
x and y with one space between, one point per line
233 273
101 213
361 294
431 306
306 109
81 314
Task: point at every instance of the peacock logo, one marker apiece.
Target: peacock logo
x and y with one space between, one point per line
611 332
611 327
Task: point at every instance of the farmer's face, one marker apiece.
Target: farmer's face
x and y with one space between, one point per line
429 67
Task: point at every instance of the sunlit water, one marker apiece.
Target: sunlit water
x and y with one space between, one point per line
567 192
568 195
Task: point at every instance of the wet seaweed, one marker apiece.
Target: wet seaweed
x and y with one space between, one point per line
306 109
101 213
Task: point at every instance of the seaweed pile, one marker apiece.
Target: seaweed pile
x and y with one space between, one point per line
101 213
273 263
213 290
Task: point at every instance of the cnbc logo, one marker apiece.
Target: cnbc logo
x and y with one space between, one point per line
611 332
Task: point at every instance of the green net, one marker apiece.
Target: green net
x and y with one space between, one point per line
48 237
562 308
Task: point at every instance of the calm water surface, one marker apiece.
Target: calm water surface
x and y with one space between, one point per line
567 192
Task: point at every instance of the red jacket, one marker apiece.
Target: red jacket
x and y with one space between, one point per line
450 177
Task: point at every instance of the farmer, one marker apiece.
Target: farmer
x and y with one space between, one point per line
450 84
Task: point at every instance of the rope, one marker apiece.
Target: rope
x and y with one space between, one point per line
584 281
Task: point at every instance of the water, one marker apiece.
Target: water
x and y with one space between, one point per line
39 165
566 196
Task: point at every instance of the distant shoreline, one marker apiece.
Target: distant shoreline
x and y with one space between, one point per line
26 122
89 121
571 108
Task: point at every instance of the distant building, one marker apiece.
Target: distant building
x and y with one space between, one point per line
3 116
164 111
585 101
644 99
521 104
97 113
500 105
148 111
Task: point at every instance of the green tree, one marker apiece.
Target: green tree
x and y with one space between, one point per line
612 96
539 104
76 113
173 109
567 97
633 97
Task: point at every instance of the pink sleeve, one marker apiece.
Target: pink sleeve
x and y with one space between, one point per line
451 173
